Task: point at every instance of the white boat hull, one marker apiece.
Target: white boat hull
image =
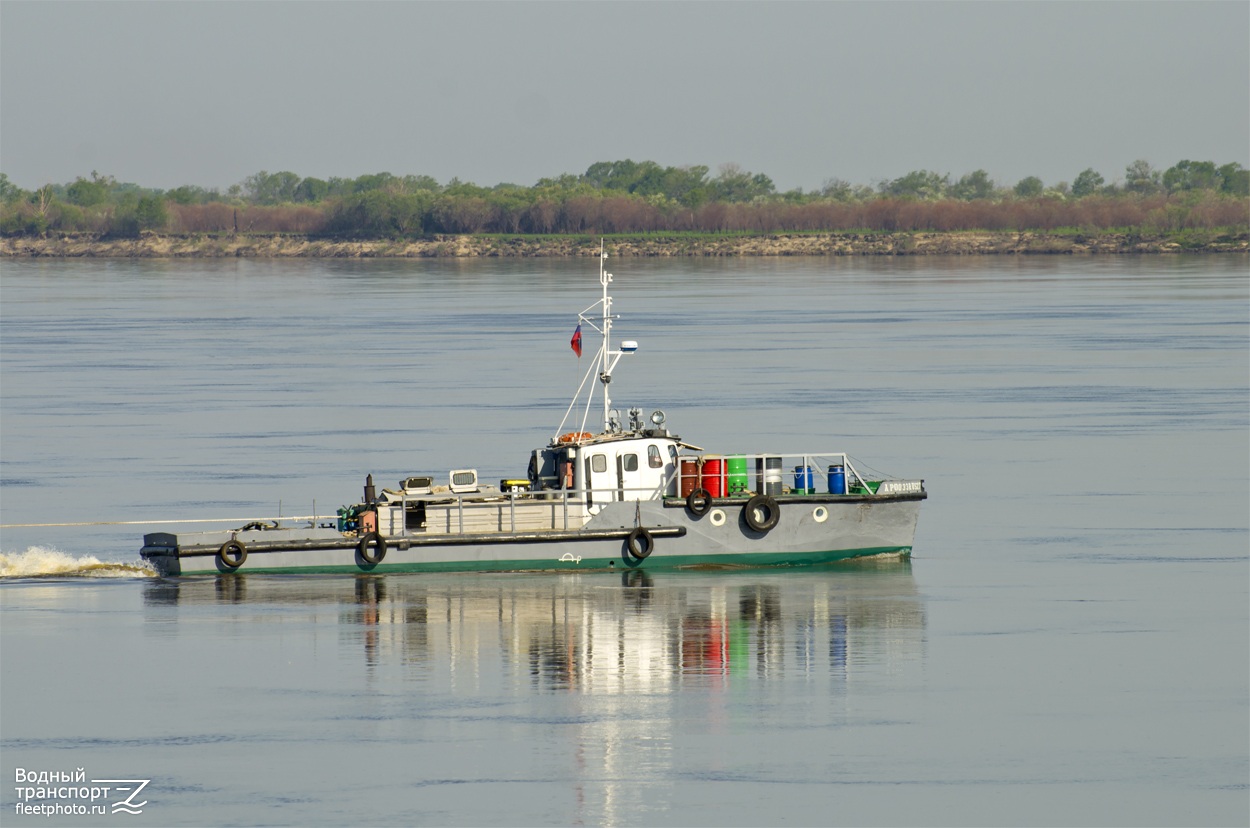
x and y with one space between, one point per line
810 529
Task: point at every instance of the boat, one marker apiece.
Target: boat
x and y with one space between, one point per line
625 494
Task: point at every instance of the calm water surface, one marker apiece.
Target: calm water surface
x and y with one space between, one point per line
1068 645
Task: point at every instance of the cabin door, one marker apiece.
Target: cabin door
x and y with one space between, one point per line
600 478
629 473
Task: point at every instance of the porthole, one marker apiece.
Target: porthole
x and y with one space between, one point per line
717 517
820 514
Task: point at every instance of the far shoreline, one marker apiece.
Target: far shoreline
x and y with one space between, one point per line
958 243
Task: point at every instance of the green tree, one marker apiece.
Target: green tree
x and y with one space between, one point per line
649 180
380 214
311 190
508 204
687 185
464 189
372 181
565 181
150 213
123 222
341 186
736 184
86 193
1029 187
410 212
1140 177
1087 182
1191 175
276 188
974 185
22 218
416 183
9 192
1234 180
836 189
616 175
66 218
191 194
465 213
925 185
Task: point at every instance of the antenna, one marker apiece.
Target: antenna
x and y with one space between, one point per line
607 357
605 374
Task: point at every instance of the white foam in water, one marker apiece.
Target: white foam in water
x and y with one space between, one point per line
41 562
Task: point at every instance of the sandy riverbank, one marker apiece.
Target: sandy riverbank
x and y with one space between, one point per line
151 245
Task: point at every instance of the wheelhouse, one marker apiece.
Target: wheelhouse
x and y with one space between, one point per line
608 467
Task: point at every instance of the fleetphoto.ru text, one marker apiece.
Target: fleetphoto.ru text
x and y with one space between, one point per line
71 793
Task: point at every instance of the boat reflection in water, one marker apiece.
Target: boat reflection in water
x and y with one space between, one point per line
605 694
598 633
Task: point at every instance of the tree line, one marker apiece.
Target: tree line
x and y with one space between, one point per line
636 197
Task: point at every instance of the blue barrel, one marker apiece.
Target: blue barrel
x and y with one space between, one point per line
803 480
837 480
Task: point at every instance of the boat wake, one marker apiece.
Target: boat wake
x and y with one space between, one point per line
42 562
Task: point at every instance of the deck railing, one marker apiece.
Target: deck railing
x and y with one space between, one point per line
767 473
773 473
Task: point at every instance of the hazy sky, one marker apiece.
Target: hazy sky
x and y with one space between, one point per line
207 93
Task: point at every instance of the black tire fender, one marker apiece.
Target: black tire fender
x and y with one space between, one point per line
699 502
377 541
640 542
761 513
232 554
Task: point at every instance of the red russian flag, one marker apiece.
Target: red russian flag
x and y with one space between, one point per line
576 342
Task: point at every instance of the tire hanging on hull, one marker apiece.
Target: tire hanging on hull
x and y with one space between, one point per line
699 502
232 554
761 513
640 543
376 540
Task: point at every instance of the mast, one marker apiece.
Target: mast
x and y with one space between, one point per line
605 361
605 373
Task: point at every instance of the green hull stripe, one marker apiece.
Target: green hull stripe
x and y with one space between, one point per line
655 563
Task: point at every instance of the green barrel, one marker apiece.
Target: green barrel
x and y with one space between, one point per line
739 482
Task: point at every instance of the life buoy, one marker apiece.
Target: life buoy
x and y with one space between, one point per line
761 513
640 542
378 542
575 437
698 502
232 554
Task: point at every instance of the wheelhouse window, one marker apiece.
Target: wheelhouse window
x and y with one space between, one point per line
598 462
654 460
629 462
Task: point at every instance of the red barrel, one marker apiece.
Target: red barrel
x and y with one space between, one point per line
689 475
713 477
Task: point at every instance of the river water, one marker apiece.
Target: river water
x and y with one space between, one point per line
1068 644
